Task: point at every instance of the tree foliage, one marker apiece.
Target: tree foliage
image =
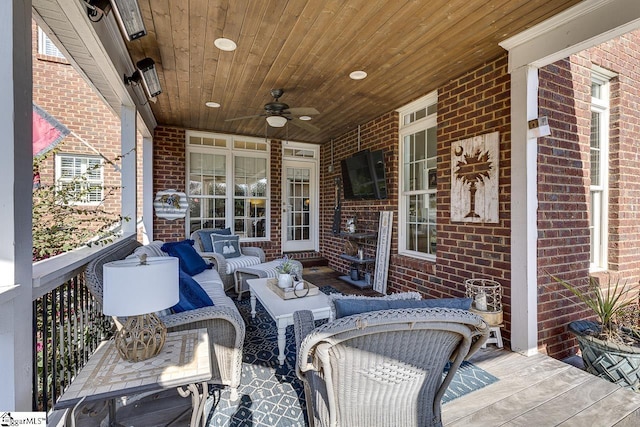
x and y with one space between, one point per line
61 222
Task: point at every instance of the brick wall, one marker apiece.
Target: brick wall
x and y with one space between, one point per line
477 103
564 179
64 94
471 105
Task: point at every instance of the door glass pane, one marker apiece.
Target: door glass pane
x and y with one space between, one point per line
298 202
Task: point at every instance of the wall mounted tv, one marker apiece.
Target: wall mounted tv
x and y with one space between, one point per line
363 175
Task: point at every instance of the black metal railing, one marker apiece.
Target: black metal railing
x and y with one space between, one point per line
68 325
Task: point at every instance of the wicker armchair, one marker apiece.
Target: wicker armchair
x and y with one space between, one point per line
223 322
250 256
383 368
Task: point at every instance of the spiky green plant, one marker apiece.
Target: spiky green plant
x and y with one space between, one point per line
611 305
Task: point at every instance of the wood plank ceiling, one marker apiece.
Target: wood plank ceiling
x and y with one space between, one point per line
309 47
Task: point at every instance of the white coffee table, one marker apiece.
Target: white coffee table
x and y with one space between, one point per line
282 310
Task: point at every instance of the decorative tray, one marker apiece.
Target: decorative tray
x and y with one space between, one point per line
290 293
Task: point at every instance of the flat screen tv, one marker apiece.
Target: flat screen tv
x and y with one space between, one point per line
363 175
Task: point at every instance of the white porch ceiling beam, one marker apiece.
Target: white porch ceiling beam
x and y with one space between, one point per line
583 26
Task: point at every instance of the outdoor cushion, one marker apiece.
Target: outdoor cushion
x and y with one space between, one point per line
190 261
192 295
152 249
205 237
227 246
348 307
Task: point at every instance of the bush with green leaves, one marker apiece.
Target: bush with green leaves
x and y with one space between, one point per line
61 222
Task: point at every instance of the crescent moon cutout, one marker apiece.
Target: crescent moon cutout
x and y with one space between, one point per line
458 151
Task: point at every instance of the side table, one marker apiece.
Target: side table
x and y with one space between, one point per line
183 361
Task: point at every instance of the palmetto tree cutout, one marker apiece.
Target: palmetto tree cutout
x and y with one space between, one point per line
473 169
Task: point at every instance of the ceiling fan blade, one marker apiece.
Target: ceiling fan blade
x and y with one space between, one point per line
305 125
245 117
304 111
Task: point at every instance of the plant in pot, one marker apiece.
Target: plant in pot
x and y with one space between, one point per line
286 270
610 347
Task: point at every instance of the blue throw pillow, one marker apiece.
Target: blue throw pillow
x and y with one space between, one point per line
205 237
228 246
192 295
349 306
190 261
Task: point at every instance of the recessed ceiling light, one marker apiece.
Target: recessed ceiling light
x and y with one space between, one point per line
225 44
358 75
305 117
212 104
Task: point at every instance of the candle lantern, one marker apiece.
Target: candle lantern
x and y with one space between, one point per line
486 297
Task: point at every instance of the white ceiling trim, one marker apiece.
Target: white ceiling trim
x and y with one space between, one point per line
97 51
583 26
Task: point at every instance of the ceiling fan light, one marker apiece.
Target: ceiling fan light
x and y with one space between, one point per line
212 104
276 121
227 45
305 118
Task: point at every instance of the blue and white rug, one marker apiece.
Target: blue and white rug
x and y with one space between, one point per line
271 395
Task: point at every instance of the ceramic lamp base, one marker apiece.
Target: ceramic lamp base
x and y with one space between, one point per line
141 337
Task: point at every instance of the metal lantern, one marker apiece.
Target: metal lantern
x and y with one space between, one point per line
486 296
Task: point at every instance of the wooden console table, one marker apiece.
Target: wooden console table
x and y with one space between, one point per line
183 362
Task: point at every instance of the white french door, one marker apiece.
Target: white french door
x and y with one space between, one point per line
299 205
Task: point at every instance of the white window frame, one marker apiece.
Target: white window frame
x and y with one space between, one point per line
47 47
599 194
231 146
91 181
413 118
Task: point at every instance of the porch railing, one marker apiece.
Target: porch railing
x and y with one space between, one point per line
68 323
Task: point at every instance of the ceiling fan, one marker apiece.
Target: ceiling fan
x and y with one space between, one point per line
278 113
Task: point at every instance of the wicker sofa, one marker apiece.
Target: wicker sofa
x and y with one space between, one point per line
384 367
226 267
223 322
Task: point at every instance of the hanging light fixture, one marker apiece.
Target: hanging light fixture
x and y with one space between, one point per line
147 75
276 121
127 13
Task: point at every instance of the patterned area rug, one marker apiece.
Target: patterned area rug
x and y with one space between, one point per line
271 395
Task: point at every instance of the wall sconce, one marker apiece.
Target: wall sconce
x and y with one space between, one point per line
146 73
127 13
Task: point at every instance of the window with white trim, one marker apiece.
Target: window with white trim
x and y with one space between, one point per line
418 168
82 175
227 184
599 165
46 46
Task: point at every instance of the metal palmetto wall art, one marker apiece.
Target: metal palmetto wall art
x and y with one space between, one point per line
474 179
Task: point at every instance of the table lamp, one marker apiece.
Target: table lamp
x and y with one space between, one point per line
137 288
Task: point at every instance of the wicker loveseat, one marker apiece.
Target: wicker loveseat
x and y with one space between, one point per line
227 267
383 368
223 322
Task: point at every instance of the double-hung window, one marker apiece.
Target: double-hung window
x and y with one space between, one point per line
46 46
418 179
82 176
599 165
227 184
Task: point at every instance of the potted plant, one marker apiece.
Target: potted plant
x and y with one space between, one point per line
286 270
610 347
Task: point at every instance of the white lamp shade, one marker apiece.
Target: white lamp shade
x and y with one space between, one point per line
276 121
131 289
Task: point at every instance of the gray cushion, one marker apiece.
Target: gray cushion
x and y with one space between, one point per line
349 307
227 246
205 237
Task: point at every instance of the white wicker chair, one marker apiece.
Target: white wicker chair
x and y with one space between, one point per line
383 368
250 256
